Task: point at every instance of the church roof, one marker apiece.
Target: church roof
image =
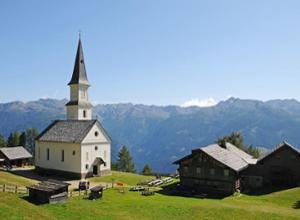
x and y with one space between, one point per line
70 131
79 73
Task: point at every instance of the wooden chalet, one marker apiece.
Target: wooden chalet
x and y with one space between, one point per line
14 156
51 191
217 169
278 168
213 169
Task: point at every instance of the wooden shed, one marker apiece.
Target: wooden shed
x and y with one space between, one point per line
14 156
50 191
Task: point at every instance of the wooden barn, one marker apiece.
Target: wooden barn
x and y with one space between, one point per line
213 169
216 169
279 168
51 191
14 156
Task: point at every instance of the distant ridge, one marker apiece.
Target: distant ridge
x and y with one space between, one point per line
160 134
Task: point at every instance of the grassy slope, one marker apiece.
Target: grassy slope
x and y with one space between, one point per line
12 179
127 178
132 205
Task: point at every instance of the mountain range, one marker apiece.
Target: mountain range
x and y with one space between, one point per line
158 135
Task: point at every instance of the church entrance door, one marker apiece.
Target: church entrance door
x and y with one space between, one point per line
95 170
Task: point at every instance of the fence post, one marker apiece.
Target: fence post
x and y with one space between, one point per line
16 189
79 192
4 186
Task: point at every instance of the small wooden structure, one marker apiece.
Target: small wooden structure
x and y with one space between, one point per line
96 192
14 156
50 191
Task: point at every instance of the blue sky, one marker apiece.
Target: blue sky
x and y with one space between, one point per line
151 52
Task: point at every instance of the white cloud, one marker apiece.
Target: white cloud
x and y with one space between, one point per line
200 102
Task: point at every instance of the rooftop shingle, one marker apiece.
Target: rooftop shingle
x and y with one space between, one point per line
14 153
67 131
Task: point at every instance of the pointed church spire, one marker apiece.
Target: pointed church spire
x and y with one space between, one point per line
79 73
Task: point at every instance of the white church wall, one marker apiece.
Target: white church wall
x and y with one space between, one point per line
71 161
72 112
88 114
90 151
92 136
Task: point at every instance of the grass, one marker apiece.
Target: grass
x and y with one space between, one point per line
131 205
130 179
12 179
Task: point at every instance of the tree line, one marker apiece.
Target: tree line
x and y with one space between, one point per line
16 138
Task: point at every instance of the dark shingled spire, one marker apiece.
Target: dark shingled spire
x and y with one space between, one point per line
79 73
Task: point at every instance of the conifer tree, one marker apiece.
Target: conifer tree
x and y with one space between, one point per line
13 139
23 139
147 170
2 141
31 134
125 162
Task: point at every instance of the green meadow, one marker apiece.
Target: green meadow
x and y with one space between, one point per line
132 205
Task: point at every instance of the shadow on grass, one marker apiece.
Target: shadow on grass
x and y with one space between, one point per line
33 174
175 189
297 205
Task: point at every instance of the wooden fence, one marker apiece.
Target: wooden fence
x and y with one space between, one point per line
13 189
23 190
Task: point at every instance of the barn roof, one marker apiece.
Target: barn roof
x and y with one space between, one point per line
230 156
14 153
48 186
242 154
70 131
225 156
280 146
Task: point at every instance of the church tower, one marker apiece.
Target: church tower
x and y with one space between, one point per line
79 107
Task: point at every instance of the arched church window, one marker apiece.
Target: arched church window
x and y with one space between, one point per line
84 113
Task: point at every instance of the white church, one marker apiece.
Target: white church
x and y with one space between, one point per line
77 147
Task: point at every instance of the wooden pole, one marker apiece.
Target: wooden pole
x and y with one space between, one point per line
16 189
4 186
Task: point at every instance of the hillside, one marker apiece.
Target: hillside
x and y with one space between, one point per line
131 205
158 135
